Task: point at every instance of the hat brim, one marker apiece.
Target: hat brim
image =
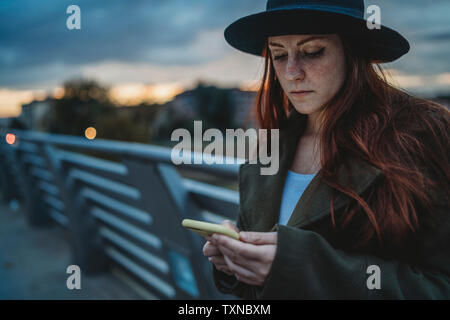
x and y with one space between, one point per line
249 34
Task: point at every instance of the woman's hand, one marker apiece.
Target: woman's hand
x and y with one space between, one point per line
213 253
250 259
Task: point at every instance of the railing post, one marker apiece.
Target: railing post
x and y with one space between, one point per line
8 183
165 196
86 243
34 207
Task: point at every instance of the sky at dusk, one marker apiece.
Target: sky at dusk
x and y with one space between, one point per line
153 49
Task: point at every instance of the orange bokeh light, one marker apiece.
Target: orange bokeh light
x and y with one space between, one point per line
90 133
10 138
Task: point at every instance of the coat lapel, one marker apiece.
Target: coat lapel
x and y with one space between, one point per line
362 175
260 195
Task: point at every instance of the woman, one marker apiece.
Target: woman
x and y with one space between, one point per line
359 207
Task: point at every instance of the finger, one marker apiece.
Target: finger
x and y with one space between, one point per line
241 273
230 225
258 238
237 249
238 260
218 260
210 250
220 264
230 254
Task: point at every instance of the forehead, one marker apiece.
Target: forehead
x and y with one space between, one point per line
296 39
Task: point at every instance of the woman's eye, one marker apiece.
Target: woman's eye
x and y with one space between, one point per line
305 54
314 54
279 57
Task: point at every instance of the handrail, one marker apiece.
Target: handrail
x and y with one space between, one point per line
145 151
125 212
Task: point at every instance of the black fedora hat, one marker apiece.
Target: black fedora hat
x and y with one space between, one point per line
345 17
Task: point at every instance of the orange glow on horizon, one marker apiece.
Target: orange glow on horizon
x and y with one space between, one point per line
58 93
133 94
250 86
11 101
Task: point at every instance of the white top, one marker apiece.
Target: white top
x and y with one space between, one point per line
294 187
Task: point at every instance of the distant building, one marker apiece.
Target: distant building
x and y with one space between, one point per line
183 105
5 122
34 112
184 108
243 101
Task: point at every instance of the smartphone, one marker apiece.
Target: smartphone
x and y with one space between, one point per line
207 228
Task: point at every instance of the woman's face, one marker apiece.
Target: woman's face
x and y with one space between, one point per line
311 64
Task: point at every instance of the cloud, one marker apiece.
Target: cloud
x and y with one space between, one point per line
443 36
165 32
167 36
232 68
124 30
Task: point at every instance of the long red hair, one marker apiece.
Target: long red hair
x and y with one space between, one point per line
404 136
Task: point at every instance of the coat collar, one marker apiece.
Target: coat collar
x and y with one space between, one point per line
260 195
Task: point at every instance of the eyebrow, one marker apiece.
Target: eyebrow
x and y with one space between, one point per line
274 44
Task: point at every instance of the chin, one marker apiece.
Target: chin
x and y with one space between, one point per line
306 109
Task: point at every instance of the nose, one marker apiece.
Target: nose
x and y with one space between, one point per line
295 69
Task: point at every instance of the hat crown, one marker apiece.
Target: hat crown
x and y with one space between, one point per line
351 7
286 17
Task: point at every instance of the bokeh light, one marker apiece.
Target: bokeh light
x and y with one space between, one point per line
10 138
90 133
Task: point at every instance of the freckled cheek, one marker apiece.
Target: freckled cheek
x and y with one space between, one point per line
281 78
325 76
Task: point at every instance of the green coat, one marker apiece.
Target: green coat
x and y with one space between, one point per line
310 262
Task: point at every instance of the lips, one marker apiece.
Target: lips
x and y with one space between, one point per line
301 91
300 94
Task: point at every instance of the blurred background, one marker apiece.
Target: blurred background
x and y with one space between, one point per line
148 66
137 70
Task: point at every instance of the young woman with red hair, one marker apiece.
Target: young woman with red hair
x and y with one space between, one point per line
359 207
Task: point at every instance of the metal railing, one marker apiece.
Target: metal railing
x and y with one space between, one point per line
122 204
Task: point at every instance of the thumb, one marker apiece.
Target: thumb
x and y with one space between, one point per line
259 237
230 225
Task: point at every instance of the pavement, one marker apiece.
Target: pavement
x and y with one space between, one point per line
33 263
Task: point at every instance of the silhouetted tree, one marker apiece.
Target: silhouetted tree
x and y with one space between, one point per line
83 103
